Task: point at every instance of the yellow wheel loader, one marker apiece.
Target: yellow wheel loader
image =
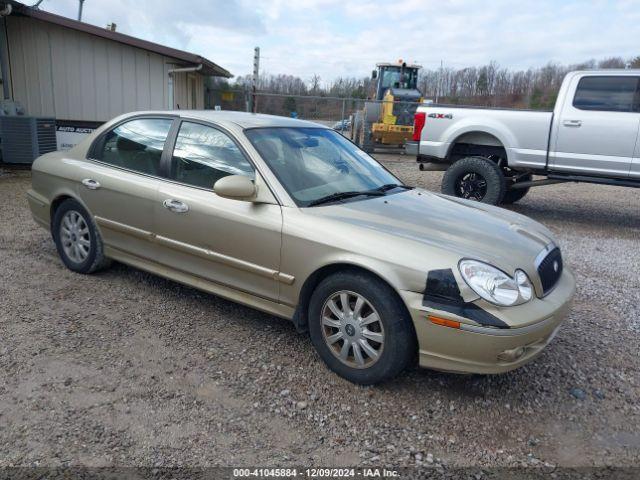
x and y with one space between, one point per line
387 119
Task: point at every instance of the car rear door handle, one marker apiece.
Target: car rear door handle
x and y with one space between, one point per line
175 206
91 184
572 123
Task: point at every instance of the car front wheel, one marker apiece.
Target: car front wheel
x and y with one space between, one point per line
361 328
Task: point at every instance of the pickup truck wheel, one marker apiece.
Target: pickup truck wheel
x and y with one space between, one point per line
475 178
512 196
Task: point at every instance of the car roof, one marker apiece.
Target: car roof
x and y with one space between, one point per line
241 119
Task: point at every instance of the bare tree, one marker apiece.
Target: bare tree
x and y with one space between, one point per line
315 84
489 85
613 62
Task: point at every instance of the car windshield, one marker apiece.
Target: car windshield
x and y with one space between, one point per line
313 163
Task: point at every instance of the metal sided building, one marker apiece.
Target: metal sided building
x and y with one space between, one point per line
83 75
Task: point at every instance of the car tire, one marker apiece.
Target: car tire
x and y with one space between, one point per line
391 341
475 178
77 238
512 196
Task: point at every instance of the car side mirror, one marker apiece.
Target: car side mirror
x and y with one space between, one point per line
374 74
236 187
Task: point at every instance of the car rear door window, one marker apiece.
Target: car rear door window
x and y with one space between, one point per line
136 145
203 155
609 94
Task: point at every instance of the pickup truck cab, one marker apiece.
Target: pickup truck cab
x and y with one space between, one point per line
490 154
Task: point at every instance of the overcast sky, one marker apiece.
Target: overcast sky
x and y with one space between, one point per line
347 37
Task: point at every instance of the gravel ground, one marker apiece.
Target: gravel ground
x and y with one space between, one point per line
125 368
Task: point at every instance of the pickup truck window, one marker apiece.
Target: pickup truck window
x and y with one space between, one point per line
609 94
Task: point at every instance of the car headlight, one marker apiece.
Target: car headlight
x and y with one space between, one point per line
494 285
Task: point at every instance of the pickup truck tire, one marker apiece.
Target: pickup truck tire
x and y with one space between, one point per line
475 178
512 196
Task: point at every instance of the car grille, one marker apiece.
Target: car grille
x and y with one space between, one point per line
550 270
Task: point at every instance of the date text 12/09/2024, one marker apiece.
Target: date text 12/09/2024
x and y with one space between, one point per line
315 473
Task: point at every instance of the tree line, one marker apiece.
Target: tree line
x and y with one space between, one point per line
486 85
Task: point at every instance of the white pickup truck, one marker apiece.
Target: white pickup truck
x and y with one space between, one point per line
491 155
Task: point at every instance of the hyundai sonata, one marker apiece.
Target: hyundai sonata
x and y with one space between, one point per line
291 218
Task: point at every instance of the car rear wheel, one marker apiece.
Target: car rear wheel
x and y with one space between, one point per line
475 178
361 328
77 238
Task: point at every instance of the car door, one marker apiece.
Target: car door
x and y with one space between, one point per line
231 242
120 182
634 171
597 128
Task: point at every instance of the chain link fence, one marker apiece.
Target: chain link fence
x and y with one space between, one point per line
351 116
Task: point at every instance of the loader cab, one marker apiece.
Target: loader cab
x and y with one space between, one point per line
395 76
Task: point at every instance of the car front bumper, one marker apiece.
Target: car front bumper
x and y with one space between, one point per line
477 349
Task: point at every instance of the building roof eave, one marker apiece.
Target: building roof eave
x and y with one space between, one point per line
208 67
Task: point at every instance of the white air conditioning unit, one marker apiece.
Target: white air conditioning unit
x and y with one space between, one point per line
23 139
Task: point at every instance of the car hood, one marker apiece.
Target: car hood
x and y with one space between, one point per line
471 230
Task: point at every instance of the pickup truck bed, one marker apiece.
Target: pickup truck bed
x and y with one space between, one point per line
526 140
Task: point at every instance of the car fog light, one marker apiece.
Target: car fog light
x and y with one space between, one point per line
511 355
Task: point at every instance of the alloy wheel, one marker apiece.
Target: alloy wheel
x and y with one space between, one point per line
352 329
74 236
472 186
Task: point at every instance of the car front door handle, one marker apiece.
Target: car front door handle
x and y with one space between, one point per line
572 123
175 206
91 184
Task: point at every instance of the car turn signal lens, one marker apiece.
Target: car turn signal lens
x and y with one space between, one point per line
444 322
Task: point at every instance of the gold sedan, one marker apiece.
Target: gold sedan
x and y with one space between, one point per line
291 218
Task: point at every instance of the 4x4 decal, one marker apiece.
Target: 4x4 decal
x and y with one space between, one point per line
441 115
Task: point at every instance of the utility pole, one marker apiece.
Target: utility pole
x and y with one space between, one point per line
80 10
254 79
